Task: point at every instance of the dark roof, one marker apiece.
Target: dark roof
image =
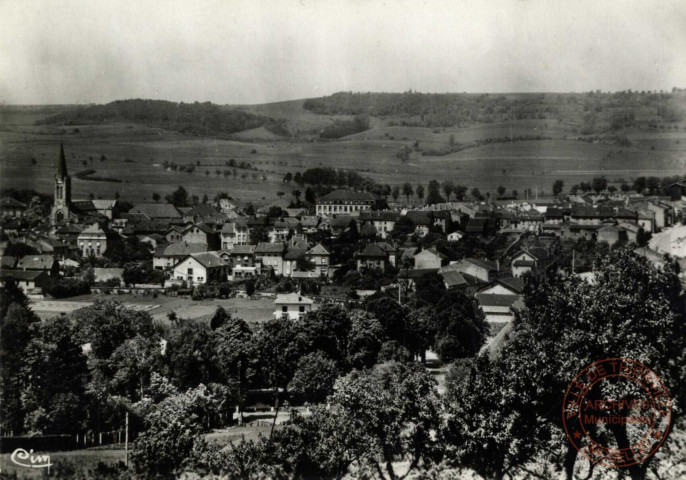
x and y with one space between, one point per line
266 247
497 300
11 202
482 263
419 217
8 262
294 253
347 196
229 228
341 221
379 216
555 213
453 278
157 210
182 249
21 274
242 250
36 262
415 273
203 210
62 165
318 250
372 251
514 283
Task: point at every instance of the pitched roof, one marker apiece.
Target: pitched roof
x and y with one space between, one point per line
229 228
514 283
203 210
208 259
242 250
318 250
182 249
157 210
433 251
419 217
372 251
7 261
266 247
294 253
292 299
497 300
379 216
36 262
453 278
479 262
93 229
309 221
11 202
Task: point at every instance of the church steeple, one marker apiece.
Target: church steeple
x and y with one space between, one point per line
62 166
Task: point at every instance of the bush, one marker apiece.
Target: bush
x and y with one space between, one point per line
66 287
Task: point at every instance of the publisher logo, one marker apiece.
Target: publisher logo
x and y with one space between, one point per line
30 460
616 412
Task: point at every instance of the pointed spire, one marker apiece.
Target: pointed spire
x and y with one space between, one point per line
62 167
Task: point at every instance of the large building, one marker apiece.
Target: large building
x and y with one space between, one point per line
345 201
61 207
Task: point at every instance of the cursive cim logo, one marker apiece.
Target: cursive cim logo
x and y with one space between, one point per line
27 459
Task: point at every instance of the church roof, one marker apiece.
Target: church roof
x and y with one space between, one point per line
62 166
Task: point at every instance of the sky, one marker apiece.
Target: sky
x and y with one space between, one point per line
247 52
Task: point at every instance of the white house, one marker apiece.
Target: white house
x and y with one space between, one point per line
455 236
293 305
199 268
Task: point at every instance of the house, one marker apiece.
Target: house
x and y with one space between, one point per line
30 281
532 261
290 260
632 230
241 261
452 279
344 201
497 308
200 268
646 219
69 234
376 256
281 229
166 256
383 221
11 208
203 234
309 224
676 191
203 213
430 258
229 236
40 263
663 214
483 270
174 234
422 221
271 256
292 305
107 208
574 232
442 220
455 236
611 234
93 240
321 258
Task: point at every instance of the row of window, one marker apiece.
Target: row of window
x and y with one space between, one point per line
341 208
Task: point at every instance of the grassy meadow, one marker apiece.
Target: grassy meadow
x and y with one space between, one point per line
135 155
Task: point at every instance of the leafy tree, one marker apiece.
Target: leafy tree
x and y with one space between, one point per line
460 192
364 340
407 191
448 188
395 193
288 177
434 193
430 288
476 193
501 190
390 314
314 378
420 192
250 288
598 184
178 198
219 318
191 357
460 328
298 178
558 185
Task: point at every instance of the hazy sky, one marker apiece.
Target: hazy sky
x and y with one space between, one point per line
260 51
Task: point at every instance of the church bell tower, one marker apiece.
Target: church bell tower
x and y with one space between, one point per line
60 208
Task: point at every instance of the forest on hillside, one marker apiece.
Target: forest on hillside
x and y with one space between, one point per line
192 118
592 112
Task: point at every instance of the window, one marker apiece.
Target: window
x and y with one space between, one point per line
284 309
301 308
190 271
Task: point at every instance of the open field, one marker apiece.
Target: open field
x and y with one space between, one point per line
251 311
135 155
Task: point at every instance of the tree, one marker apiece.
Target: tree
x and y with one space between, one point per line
420 192
364 340
558 185
288 177
250 288
448 188
395 193
631 311
178 198
501 191
515 193
314 378
407 191
434 193
598 184
460 192
476 193
429 288
459 325
298 178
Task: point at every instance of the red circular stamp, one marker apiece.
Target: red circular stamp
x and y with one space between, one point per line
616 412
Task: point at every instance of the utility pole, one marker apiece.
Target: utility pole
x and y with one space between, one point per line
126 440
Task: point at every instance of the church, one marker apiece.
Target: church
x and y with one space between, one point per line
64 210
